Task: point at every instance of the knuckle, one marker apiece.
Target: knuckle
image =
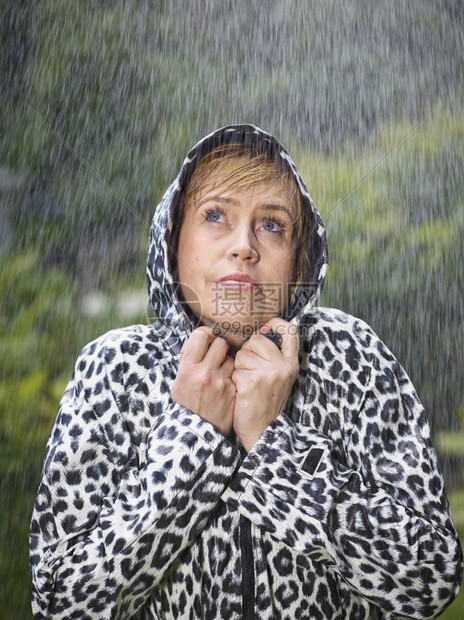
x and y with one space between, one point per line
203 377
204 335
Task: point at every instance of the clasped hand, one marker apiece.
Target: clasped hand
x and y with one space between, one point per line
246 393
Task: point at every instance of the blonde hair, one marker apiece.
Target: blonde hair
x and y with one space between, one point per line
239 166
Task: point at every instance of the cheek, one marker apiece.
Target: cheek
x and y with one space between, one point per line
192 262
186 247
280 275
284 269
287 275
184 272
193 246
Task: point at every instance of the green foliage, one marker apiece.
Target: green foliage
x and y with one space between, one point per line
42 329
32 308
450 443
396 250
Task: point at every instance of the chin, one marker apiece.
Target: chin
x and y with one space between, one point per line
234 331
235 341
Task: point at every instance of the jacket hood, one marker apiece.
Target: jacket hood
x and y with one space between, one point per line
164 295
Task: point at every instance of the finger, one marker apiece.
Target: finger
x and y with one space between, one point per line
196 346
246 359
261 346
289 333
217 352
239 378
228 366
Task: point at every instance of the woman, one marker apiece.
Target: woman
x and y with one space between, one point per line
203 467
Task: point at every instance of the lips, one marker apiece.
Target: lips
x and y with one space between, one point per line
238 280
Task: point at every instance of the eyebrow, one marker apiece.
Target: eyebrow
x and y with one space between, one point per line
216 199
278 207
229 200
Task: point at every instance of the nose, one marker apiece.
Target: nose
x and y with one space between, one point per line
244 245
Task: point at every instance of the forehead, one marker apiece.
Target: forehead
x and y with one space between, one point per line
239 175
265 189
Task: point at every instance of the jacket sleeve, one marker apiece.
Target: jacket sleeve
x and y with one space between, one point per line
374 510
111 517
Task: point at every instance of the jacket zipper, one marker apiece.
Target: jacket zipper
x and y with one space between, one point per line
248 572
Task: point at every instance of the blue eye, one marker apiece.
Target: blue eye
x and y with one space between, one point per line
274 226
269 226
214 215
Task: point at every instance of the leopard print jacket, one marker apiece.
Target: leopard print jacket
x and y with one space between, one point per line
146 511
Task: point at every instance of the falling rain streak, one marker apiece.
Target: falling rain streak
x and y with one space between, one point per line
100 100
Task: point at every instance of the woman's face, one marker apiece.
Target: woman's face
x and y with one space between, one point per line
236 256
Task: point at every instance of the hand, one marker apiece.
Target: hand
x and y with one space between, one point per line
203 383
263 377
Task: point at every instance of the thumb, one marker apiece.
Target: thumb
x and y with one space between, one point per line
289 335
